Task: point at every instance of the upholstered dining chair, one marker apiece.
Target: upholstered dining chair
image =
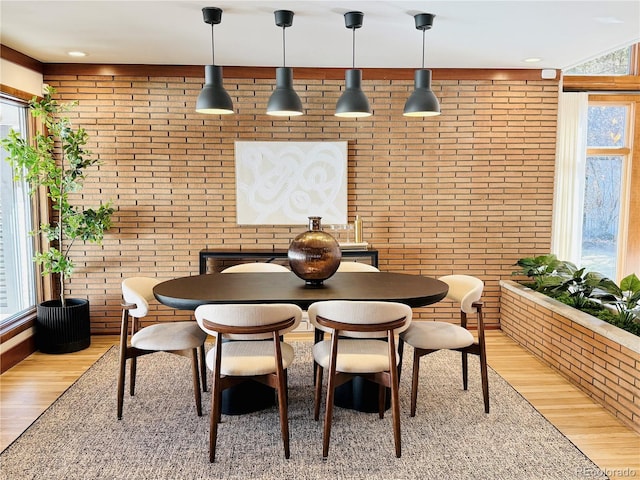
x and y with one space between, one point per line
244 359
427 337
363 353
345 266
181 338
348 266
256 267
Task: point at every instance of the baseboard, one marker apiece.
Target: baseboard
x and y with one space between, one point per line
17 353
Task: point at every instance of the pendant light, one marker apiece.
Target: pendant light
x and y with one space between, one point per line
213 98
353 103
284 101
422 102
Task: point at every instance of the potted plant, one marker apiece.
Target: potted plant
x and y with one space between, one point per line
56 160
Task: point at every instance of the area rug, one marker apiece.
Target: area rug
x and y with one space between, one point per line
160 436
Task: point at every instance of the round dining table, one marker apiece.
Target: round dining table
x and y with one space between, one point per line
187 293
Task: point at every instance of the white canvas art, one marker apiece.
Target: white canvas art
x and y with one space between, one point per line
284 183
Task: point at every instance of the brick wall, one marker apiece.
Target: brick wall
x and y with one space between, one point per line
469 191
607 367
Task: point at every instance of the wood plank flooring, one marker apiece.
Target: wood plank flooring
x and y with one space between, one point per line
27 389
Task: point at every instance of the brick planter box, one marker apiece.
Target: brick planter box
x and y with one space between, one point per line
599 358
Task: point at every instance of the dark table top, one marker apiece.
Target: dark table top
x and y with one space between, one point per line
187 293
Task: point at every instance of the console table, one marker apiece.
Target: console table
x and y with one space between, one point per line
266 255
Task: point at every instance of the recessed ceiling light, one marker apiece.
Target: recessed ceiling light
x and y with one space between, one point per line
609 20
532 59
76 53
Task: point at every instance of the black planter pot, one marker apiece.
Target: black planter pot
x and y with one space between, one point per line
63 329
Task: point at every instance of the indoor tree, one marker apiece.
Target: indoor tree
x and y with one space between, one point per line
56 159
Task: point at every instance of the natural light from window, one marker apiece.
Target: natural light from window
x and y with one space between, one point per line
603 195
614 63
17 271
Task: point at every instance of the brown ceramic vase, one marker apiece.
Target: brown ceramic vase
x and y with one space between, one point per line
314 255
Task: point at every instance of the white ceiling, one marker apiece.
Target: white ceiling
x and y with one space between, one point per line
465 34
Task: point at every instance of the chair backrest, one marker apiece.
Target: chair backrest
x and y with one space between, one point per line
256 267
360 313
347 266
247 315
139 290
464 289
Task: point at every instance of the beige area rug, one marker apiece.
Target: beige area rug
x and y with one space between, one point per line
160 436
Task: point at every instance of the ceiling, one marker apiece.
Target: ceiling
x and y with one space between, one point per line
465 34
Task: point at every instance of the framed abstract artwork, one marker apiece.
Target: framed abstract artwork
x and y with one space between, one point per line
284 183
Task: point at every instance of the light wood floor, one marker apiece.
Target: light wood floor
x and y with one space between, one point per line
30 387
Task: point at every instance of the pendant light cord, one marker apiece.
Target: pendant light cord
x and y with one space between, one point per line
213 50
353 48
284 49
423 46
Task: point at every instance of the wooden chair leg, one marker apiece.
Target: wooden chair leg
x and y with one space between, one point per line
121 379
484 375
203 367
318 393
216 397
382 397
282 398
196 380
395 400
213 427
328 414
465 371
122 371
132 376
414 382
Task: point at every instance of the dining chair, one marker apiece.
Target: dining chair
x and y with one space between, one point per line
357 349
350 266
180 338
345 266
430 336
256 267
246 359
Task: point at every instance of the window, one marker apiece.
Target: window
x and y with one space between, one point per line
605 223
17 269
615 63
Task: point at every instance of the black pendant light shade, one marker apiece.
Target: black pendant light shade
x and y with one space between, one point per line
213 98
422 102
284 101
353 102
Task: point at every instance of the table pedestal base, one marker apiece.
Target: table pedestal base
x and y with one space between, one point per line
361 395
247 397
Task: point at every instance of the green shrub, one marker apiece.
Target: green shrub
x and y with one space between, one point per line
590 292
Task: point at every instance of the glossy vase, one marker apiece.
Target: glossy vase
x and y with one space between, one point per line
314 255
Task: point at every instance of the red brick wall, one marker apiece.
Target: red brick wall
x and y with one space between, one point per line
469 191
606 370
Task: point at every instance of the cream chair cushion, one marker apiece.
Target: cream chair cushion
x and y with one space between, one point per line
139 290
169 336
437 336
355 356
256 267
250 358
347 266
465 290
358 313
247 315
